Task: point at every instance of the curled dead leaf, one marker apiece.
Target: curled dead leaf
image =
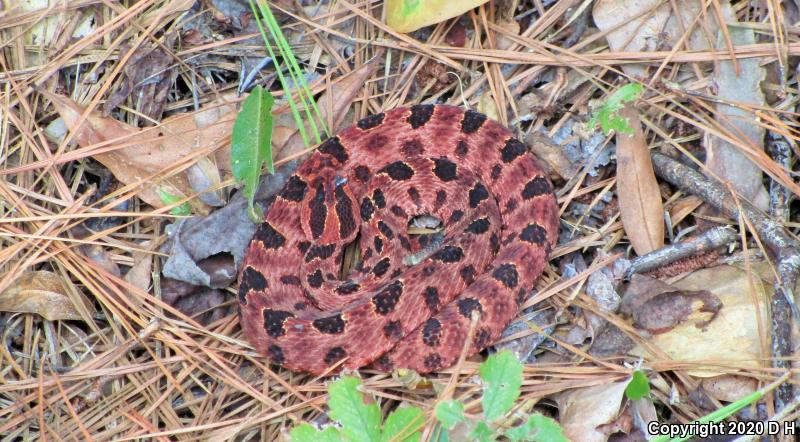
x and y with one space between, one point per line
46 294
583 411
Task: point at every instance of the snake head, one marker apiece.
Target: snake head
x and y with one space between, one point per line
321 224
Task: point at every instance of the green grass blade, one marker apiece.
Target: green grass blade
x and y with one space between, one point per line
281 78
294 70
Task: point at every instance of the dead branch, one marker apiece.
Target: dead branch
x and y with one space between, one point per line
707 241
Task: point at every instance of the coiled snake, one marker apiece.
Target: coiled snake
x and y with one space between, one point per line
500 222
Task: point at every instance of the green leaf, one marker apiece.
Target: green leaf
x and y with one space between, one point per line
170 199
402 425
482 433
251 143
608 116
638 387
538 428
360 422
449 413
307 433
502 373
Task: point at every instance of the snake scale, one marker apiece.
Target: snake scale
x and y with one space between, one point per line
364 185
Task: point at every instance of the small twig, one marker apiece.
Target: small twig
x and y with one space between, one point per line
708 241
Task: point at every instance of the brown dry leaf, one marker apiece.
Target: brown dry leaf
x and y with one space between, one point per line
204 306
683 208
583 410
730 388
281 134
204 176
510 26
147 72
101 257
660 30
332 105
640 206
637 30
140 274
643 411
43 293
732 337
434 76
410 15
724 159
176 138
552 155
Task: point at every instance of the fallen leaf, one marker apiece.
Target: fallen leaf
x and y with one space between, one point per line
511 27
44 293
434 76
552 155
227 230
154 149
456 36
101 257
730 388
724 159
583 410
488 107
611 342
650 25
204 177
683 207
410 15
640 206
204 306
140 274
643 411
150 72
532 330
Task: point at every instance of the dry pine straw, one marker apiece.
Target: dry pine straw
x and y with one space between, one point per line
139 367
